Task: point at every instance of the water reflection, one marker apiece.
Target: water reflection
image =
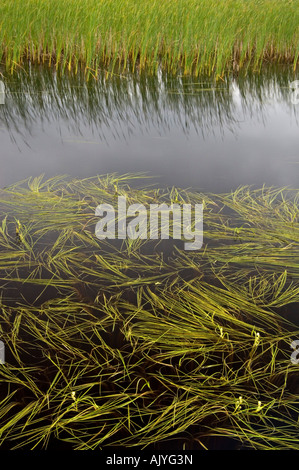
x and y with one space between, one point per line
192 132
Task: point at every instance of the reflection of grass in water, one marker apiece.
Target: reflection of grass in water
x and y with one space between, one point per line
138 103
181 35
135 342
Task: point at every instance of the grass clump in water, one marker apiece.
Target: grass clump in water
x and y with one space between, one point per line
180 36
139 342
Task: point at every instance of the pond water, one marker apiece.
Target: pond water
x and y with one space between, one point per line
211 136
184 132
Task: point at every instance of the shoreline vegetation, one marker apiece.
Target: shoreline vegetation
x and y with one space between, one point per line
178 36
139 342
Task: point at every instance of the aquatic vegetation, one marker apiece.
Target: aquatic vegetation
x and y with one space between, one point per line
182 35
139 342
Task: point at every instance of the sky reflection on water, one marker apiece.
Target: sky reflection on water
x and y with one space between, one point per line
183 131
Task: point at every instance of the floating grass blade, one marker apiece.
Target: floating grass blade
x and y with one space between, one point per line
130 343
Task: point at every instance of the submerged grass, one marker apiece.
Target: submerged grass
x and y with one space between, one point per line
139 342
182 35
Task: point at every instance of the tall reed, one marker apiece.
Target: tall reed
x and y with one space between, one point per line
184 36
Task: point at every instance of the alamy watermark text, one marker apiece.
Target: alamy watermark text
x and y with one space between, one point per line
153 223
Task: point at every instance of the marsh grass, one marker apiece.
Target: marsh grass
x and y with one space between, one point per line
136 342
187 36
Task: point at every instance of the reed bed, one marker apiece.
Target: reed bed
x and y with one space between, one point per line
183 36
139 342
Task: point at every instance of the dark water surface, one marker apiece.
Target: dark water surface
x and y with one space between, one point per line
212 136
